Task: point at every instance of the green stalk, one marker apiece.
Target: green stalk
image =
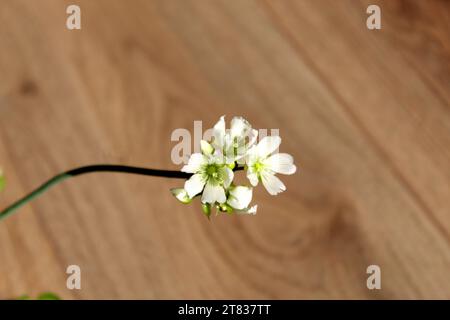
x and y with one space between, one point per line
90 169
34 194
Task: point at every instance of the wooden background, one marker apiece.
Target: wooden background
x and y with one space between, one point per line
365 113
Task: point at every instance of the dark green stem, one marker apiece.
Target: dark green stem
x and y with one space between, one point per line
90 169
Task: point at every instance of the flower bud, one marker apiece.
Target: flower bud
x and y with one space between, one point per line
206 147
206 207
181 195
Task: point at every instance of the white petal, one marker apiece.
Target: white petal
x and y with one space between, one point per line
272 184
240 197
251 156
252 138
218 158
229 159
239 127
267 145
195 162
219 132
252 177
220 125
281 163
229 175
194 185
213 193
241 146
252 210
228 149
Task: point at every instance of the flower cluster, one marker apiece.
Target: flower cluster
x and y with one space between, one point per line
231 150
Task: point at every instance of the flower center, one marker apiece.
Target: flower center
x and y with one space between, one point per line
214 173
211 170
258 167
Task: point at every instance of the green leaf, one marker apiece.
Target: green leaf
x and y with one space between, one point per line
48 296
24 297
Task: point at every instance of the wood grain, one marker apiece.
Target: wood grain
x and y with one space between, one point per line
365 114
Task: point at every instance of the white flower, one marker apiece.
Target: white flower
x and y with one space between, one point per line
261 165
181 195
212 169
233 143
239 198
210 175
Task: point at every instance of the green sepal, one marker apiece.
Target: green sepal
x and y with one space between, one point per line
206 207
224 207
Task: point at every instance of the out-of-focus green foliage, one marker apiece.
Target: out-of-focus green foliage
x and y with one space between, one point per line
42 296
2 180
48 296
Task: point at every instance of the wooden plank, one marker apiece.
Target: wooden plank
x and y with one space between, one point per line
404 115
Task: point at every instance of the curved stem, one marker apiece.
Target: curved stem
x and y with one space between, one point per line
34 194
90 169
128 169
